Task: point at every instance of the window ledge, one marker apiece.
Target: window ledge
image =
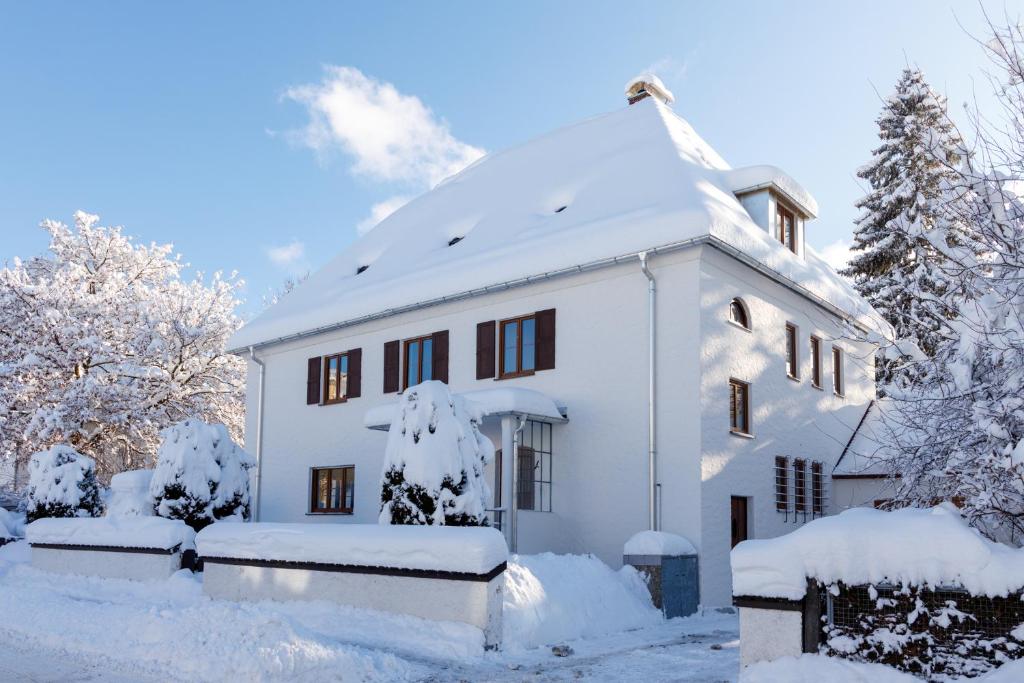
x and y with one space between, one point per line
514 375
334 402
817 386
742 435
838 394
738 326
795 378
329 514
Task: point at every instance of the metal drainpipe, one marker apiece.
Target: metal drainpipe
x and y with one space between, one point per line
259 433
652 452
513 505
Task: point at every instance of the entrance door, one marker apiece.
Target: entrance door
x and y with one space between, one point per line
739 520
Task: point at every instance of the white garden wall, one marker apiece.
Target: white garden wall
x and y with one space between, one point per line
767 634
154 565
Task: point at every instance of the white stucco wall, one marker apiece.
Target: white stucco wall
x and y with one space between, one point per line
106 564
768 634
788 417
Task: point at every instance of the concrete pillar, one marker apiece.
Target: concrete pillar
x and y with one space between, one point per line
508 459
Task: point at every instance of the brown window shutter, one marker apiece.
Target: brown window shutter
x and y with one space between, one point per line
485 349
392 351
439 361
355 374
313 381
546 339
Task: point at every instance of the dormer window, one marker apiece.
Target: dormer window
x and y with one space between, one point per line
785 226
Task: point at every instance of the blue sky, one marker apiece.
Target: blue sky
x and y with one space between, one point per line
256 137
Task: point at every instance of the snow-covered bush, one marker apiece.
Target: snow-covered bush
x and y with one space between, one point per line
129 494
201 475
12 525
434 461
62 483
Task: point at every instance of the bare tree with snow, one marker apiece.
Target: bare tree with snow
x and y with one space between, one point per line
103 344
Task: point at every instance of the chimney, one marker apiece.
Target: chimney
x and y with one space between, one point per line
648 85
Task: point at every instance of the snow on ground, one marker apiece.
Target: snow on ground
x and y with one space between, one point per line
82 628
818 668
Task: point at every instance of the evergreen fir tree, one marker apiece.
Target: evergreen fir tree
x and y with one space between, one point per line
62 483
904 229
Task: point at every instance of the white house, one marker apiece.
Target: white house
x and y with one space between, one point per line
676 355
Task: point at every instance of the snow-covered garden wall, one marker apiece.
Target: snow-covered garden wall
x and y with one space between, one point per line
433 572
139 548
915 588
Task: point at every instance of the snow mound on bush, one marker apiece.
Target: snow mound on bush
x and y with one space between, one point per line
912 546
12 525
129 494
62 483
552 599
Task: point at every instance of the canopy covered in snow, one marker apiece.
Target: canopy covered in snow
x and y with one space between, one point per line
499 401
635 179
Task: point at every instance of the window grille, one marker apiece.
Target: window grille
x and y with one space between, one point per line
800 497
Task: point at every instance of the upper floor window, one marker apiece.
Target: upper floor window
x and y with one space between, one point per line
816 362
785 226
335 378
419 360
739 407
837 370
738 314
792 361
333 489
518 346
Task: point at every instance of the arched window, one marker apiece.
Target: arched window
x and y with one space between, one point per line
738 314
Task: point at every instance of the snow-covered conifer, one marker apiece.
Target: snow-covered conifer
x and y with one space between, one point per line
434 461
103 344
62 483
201 475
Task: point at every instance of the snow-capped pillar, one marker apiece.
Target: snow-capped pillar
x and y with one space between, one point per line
508 430
669 565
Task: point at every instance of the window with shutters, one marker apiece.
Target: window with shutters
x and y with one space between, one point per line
792 358
332 489
739 407
785 226
518 346
781 484
815 362
419 360
335 378
837 370
799 485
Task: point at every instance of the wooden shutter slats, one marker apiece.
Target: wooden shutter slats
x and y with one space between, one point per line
392 353
439 360
545 339
355 374
485 351
313 381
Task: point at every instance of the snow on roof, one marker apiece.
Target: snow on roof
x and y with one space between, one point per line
867 451
499 401
933 547
752 178
635 179
656 86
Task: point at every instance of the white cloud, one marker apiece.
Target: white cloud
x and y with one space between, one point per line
379 212
837 254
391 136
288 257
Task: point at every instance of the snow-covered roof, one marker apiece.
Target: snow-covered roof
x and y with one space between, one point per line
866 453
635 179
754 178
499 401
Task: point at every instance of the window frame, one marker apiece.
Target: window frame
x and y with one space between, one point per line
781 212
325 370
518 372
799 485
348 475
744 429
838 377
737 301
817 489
816 361
404 370
781 484
792 351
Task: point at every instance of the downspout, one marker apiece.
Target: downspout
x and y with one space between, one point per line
513 503
652 451
259 433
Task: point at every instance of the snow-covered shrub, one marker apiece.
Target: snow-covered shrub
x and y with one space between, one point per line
434 461
12 525
129 494
62 483
201 475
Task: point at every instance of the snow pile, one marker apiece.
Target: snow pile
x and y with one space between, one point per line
434 461
129 494
12 525
475 550
919 547
201 475
818 668
552 599
658 543
62 483
116 532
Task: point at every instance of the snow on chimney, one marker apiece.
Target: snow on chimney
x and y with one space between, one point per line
648 85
